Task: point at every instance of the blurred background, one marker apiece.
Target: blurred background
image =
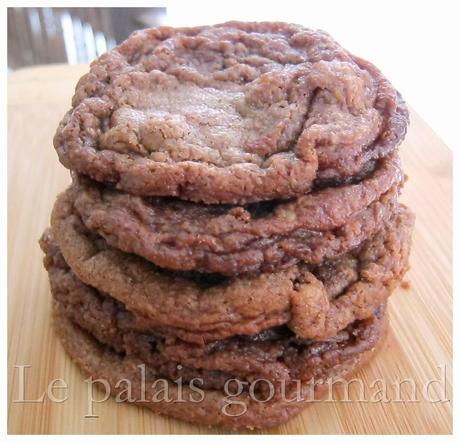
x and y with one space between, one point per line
71 35
413 43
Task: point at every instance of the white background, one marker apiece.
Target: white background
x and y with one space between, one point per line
415 43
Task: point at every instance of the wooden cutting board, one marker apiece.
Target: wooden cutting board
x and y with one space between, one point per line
419 347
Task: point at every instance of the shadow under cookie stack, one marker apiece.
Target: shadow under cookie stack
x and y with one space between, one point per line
232 231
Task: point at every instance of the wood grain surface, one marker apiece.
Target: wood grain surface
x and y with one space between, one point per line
418 350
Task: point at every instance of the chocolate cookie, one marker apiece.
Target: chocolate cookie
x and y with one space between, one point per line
237 408
275 354
232 240
233 113
315 301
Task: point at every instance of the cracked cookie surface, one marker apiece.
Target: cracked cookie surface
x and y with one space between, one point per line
233 113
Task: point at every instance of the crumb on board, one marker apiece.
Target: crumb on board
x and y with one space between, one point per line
406 285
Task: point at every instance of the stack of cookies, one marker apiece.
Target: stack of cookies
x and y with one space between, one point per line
232 231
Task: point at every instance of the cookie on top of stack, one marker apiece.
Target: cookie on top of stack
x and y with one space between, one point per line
233 227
